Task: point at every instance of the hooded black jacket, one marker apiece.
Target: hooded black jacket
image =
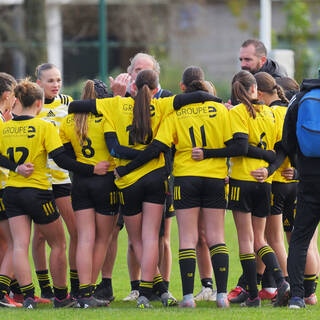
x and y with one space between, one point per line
274 69
308 168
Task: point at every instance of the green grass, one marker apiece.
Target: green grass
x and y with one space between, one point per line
205 310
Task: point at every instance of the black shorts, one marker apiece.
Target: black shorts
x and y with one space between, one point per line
250 196
3 215
149 188
191 192
97 192
283 201
37 203
61 190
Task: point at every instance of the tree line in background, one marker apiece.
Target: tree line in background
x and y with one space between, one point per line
32 41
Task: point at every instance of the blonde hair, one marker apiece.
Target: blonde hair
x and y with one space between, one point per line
81 119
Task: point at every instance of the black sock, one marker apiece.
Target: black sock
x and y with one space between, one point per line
74 281
166 283
242 282
60 292
309 284
158 285
187 262
316 283
4 285
85 290
135 284
106 282
207 283
44 280
269 258
28 291
259 278
145 288
248 262
287 279
268 279
14 287
220 263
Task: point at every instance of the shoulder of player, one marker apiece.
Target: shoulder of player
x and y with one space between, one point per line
64 99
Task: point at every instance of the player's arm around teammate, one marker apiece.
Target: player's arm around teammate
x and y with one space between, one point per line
95 198
249 199
27 139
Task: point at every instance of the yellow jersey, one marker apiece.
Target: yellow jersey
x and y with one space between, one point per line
94 149
28 139
54 111
263 131
204 125
280 113
118 113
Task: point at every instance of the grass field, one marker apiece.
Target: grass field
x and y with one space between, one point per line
205 310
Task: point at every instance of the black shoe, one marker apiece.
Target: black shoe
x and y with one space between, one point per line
47 294
104 293
296 303
91 302
67 302
29 303
252 303
74 294
283 293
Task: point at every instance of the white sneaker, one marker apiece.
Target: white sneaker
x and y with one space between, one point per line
206 294
133 295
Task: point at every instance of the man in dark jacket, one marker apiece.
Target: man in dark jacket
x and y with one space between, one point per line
308 201
253 58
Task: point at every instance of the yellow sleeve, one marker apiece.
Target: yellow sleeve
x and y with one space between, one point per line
166 105
107 106
62 132
52 139
227 132
108 125
167 133
238 120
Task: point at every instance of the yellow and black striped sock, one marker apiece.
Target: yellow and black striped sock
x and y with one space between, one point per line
14 286
74 282
145 288
4 285
28 291
248 263
44 280
60 292
269 258
158 285
187 262
309 284
220 263
85 290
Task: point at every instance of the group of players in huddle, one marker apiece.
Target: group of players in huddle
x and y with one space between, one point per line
141 152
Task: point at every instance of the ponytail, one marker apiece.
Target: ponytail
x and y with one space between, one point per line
241 94
141 129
